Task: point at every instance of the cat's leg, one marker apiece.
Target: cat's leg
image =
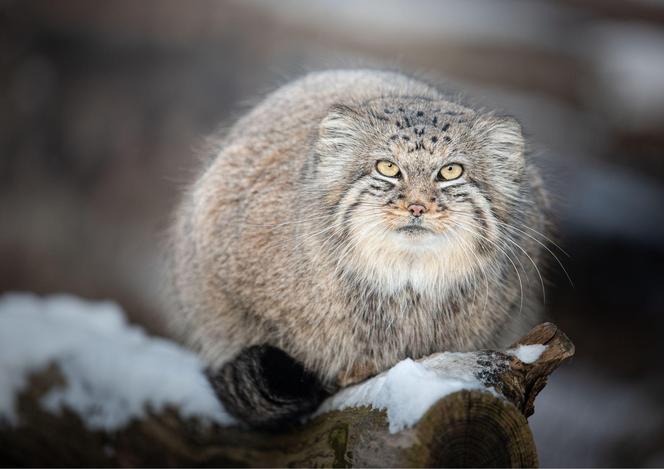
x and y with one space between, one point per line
266 388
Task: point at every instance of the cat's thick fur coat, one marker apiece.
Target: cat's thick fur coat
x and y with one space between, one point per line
290 239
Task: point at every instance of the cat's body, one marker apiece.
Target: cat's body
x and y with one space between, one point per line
291 237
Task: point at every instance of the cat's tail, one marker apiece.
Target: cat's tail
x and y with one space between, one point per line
266 388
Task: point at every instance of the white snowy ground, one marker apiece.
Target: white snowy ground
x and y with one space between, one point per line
114 371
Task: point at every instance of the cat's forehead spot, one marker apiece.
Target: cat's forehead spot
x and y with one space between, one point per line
422 126
418 151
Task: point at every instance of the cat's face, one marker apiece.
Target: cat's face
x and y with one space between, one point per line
420 186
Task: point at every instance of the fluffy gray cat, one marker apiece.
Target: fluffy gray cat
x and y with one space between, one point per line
350 220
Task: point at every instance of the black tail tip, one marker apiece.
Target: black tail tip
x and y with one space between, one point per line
267 389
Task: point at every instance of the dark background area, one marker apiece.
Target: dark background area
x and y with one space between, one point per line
103 105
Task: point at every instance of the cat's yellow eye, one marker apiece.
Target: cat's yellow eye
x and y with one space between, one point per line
451 171
387 168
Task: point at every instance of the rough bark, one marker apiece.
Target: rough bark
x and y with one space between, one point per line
467 428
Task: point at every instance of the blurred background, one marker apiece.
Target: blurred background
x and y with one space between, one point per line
104 104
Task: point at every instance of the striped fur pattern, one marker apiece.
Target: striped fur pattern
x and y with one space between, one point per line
291 238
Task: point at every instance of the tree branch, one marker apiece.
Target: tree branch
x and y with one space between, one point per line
466 428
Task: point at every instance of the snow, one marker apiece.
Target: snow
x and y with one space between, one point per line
114 372
410 388
528 353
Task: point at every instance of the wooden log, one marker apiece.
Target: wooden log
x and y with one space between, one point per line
466 428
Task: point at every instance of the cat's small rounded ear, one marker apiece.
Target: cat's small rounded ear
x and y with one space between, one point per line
506 136
340 125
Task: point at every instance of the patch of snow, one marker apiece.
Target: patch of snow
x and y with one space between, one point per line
410 388
114 372
528 353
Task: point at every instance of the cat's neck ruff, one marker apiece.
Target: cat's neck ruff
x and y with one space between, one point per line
428 264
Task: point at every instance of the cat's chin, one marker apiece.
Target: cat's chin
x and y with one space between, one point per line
414 230
416 238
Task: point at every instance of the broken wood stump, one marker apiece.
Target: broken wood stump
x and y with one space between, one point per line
466 428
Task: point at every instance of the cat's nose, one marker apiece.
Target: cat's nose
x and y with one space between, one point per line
416 210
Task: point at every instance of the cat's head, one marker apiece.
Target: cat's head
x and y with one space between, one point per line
419 183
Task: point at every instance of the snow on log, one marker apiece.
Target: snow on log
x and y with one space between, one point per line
82 387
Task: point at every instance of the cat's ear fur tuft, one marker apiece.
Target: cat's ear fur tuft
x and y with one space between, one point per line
505 136
340 127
